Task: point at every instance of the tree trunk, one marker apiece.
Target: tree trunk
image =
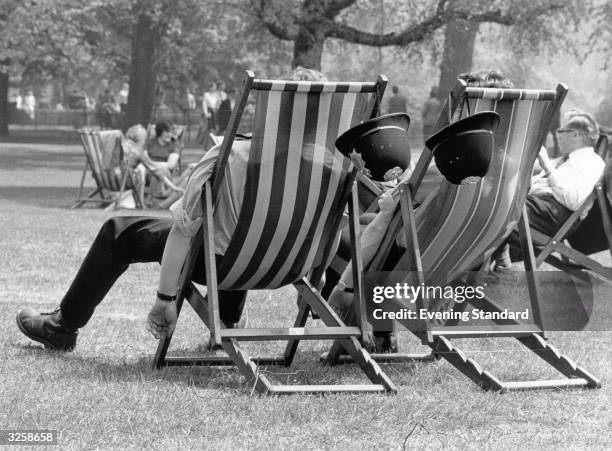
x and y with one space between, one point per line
459 38
4 106
308 48
141 96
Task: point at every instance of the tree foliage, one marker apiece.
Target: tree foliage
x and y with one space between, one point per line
188 43
317 20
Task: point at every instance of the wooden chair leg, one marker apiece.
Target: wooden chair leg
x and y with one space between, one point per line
300 321
352 345
89 198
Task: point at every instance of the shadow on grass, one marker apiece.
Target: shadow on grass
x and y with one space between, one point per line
13 159
307 369
41 196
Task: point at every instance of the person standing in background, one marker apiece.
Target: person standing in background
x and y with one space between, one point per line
430 112
122 97
225 111
191 100
397 102
209 106
221 97
29 104
18 102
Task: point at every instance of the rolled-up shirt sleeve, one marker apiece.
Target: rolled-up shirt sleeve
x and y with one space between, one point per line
187 223
187 211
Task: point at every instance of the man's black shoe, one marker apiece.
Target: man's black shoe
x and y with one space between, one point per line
47 328
385 342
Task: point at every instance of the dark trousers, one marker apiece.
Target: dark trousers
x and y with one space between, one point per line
121 242
545 215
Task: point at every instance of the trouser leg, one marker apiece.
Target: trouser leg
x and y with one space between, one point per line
121 242
545 214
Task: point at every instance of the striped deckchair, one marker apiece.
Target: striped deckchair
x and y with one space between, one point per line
104 157
458 228
296 190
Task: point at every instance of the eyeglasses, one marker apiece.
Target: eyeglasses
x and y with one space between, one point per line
560 131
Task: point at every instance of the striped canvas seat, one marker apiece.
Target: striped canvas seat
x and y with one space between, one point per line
295 180
296 189
459 224
104 158
102 149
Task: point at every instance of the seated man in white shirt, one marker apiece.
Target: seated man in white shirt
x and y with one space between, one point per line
563 184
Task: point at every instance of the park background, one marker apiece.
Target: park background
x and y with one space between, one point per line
66 50
104 394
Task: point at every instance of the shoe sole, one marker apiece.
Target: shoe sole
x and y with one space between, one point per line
47 344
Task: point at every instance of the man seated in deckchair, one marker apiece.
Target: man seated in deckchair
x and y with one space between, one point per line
563 184
583 165
124 240
376 226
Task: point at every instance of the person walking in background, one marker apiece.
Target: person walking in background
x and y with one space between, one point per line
397 102
430 112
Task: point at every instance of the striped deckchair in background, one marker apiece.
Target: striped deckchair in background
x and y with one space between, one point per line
104 157
458 227
296 190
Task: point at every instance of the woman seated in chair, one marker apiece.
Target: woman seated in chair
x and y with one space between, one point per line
163 148
140 162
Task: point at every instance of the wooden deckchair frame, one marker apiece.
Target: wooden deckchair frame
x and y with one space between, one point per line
556 243
207 307
439 339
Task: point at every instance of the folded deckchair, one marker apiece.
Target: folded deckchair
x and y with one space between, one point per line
582 235
460 226
296 190
104 157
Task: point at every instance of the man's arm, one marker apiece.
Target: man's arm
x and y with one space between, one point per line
162 318
572 185
173 160
175 253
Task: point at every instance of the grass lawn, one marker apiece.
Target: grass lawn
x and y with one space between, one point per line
105 394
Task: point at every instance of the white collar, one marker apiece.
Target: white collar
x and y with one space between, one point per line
579 152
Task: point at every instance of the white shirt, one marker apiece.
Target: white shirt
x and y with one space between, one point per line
573 180
210 100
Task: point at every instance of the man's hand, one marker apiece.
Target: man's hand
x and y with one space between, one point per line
544 161
161 321
387 203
